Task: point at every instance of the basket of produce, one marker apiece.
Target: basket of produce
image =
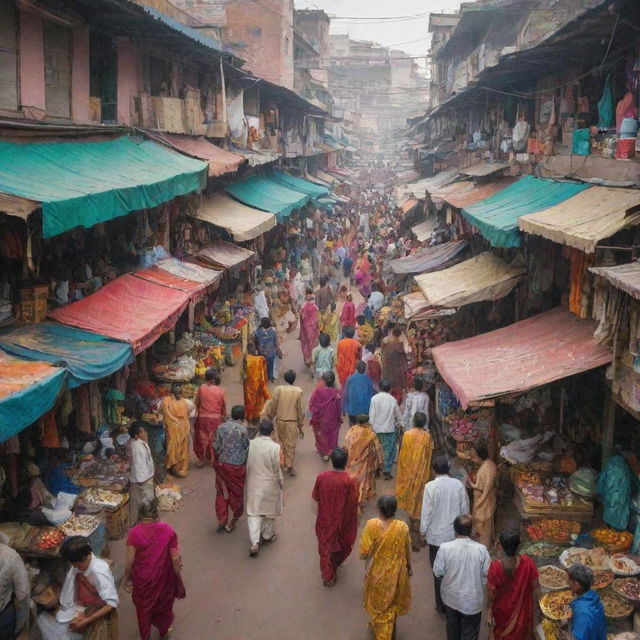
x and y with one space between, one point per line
226 333
627 588
595 559
612 540
621 565
47 539
554 530
555 605
615 607
542 552
602 578
553 578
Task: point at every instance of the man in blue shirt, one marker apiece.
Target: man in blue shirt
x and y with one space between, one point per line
588 621
357 393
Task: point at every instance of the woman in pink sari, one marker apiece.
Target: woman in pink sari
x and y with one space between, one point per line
152 573
512 585
363 275
309 327
325 405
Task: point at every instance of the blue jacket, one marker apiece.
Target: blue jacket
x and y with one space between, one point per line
358 391
588 621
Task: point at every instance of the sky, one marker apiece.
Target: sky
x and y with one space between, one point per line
410 35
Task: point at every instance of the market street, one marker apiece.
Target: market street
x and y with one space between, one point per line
278 595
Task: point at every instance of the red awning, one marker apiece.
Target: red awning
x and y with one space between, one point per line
528 354
130 309
220 160
224 254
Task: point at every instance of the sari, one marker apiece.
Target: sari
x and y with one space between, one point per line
155 583
211 409
365 459
387 591
364 278
329 324
175 415
325 405
414 470
348 315
512 606
309 329
256 392
348 353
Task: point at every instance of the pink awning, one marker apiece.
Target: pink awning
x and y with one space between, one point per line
528 354
130 309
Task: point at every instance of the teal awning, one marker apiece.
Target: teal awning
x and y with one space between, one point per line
298 184
497 216
267 195
83 183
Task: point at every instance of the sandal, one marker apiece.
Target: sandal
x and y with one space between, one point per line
254 550
231 526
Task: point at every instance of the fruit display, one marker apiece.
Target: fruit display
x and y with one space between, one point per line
556 605
628 588
553 578
48 539
103 498
593 558
552 529
528 478
602 579
80 525
623 566
542 550
615 607
612 539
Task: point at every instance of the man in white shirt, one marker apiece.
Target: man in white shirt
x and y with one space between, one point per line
376 299
414 402
87 584
14 588
463 565
443 500
142 470
386 420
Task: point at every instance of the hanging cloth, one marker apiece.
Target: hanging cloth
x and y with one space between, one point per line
605 106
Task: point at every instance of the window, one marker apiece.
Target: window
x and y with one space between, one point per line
57 70
8 56
104 75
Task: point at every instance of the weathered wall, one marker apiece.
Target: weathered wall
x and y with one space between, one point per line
127 78
32 65
80 76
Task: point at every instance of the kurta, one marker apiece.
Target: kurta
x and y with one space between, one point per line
484 502
211 409
175 415
309 329
264 478
348 353
414 470
287 409
337 521
325 405
365 459
256 392
387 590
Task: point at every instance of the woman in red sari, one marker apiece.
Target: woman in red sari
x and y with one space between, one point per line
512 586
152 573
325 405
309 327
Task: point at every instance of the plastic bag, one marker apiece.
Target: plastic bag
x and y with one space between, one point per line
581 142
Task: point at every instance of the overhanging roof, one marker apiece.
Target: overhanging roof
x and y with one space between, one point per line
485 277
586 218
483 169
225 254
525 355
416 308
625 277
467 197
428 259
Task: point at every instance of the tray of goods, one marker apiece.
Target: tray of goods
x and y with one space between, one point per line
553 578
602 578
621 565
615 607
552 529
555 605
613 540
551 629
80 525
103 498
595 559
226 333
627 588
47 539
542 550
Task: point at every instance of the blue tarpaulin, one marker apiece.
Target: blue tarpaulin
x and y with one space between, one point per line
89 356
27 391
298 184
497 216
266 195
83 183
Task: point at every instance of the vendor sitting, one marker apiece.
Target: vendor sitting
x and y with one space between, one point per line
588 621
89 592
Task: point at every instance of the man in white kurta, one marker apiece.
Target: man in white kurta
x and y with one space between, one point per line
264 488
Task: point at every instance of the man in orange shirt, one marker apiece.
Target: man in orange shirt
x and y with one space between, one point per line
349 351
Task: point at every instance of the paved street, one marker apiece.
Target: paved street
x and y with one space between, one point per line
278 595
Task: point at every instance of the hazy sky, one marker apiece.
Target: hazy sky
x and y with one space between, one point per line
408 35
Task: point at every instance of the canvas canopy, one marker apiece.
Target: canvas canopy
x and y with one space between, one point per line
225 254
623 276
428 259
298 184
424 230
416 308
464 198
525 355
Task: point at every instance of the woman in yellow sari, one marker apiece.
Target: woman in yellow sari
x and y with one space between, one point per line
254 381
386 546
175 415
